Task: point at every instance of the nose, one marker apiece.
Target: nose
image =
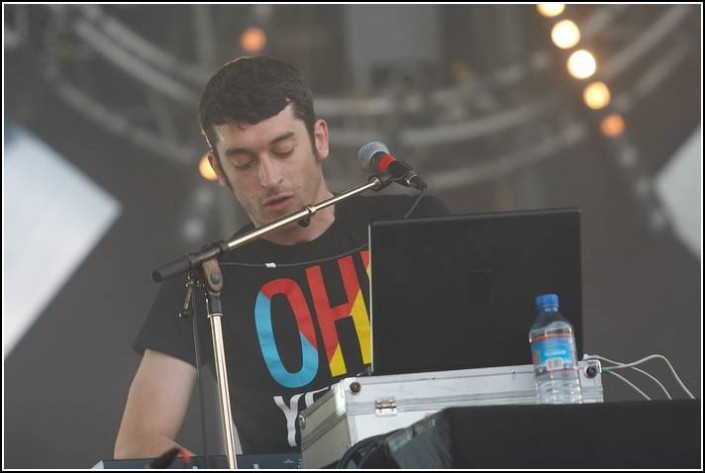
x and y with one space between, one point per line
269 172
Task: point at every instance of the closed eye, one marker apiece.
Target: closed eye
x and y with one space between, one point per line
242 165
283 154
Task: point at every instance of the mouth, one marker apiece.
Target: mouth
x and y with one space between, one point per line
277 201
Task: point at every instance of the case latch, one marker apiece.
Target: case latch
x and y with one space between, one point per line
385 406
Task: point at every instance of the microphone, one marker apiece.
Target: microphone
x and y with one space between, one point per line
374 157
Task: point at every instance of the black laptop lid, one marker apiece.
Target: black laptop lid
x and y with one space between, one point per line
458 292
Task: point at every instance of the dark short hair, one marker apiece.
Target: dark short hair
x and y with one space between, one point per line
252 89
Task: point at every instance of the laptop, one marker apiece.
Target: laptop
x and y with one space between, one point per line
458 292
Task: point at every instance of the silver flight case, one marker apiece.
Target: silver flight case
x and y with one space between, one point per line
361 407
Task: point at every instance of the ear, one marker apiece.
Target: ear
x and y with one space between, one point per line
320 134
222 179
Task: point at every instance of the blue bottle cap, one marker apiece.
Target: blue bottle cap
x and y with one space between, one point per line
546 302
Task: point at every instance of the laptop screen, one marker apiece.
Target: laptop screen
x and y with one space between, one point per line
458 292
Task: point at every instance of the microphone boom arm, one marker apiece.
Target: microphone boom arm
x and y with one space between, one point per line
220 247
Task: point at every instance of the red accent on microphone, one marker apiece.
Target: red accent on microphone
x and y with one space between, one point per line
385 162
185 457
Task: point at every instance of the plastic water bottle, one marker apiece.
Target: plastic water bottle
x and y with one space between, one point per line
554 355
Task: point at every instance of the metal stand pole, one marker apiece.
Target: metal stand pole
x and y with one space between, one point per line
213 279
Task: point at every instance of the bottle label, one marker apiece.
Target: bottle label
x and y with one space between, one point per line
553 353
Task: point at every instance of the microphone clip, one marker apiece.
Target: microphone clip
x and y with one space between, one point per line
411 179
408 179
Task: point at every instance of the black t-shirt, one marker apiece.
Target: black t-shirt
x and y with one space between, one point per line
290 331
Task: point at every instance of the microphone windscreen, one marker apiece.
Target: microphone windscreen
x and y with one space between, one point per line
367 152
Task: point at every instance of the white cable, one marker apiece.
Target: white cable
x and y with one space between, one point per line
619 376
663 388
638 362
668 395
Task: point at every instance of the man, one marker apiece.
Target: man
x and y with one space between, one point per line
289 331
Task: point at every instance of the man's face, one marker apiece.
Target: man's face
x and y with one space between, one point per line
271 166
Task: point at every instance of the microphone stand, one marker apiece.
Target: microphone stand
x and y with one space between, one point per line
205 259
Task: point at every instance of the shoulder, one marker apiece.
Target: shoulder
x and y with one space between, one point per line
396 206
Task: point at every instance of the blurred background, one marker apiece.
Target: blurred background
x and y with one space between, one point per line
101 153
